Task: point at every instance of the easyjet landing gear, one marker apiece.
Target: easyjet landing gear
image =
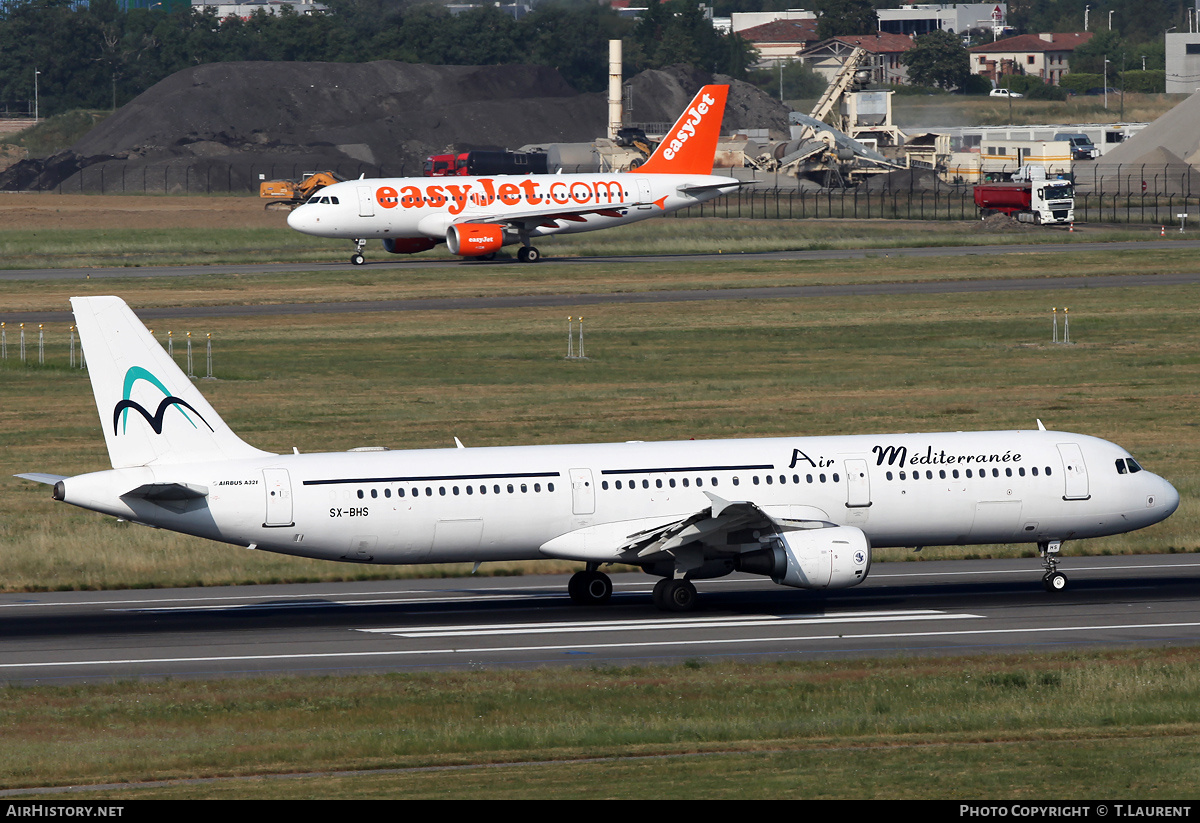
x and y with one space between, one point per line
675 595
1053 579
528 254
590 587
357 258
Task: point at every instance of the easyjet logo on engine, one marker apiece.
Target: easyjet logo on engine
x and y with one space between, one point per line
485 192
687 129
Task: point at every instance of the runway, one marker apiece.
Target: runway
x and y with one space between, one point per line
577 300
935 608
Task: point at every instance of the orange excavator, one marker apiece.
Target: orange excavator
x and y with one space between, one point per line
287 194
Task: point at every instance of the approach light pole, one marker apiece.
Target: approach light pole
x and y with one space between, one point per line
1106 82
36 72
1086 9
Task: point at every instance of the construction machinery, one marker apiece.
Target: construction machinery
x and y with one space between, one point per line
287 194
836 143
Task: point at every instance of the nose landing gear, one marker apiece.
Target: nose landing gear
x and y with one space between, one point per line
357 258
1053 580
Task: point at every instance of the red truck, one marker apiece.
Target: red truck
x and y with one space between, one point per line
485 162
1039 201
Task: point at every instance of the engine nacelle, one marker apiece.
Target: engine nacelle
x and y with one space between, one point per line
408 245
835 557
474 239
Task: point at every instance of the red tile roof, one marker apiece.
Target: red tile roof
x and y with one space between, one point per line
781 31
1063 41
879 43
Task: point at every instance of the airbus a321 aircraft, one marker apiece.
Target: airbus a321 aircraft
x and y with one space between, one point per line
476 216
804 511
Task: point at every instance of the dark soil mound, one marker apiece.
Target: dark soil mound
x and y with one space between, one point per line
661 96
225 126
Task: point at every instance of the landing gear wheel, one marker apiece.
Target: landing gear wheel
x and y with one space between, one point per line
589 588
528 254
1055 581
676 595
357 259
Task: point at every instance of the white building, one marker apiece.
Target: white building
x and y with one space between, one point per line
245 9
1183 62
923 18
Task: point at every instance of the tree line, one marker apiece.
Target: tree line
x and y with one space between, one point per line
100 56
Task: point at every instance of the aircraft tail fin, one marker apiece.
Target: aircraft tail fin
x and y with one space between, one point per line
691 144
150 410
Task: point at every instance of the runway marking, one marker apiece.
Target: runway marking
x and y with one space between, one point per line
574 647
597 626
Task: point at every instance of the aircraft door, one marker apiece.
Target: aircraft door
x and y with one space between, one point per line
366 202
645 194
583 493
858 485
858 492
279 497
1074 472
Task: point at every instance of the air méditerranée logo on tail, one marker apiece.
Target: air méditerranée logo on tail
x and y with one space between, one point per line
121 410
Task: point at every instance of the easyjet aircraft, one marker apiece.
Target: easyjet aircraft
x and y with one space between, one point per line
476 216
804 511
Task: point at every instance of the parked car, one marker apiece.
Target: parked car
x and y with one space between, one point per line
1082 147
1005 93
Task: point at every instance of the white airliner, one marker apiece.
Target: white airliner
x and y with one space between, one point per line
476 216
804 511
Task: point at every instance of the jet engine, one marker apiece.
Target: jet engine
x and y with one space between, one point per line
474 239
835 557
408 245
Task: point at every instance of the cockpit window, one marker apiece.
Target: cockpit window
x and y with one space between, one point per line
1127 465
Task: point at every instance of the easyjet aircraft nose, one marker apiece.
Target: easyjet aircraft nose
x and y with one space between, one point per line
300 219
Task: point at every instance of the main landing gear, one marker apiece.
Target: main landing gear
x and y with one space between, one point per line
1053 579
590 587
675 595
528 254
357 258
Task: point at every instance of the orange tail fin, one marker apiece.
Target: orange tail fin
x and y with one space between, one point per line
691 144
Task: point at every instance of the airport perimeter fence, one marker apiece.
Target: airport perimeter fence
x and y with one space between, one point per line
1105 193
854 204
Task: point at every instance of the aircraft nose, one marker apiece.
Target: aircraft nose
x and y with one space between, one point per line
298 218
1166 499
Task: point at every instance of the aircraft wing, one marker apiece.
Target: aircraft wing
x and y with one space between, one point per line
530 219
723 528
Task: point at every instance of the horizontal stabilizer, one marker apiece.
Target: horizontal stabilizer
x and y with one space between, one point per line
38 477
